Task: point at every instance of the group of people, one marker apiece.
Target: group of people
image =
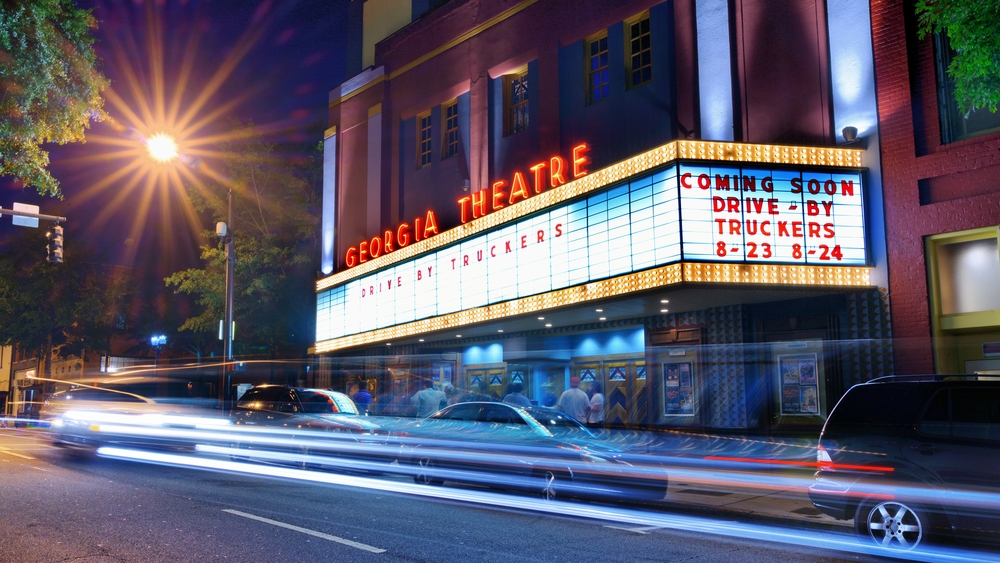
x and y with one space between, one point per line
587 408
576 403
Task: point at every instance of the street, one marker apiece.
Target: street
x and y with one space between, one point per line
56 508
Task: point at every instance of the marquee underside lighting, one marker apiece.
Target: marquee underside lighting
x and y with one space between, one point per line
665 276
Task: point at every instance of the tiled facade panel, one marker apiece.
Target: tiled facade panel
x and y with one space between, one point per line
869 331
723 377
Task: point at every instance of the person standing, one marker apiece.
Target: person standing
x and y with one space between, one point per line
595 414
516 398
428 401
363 399
573 401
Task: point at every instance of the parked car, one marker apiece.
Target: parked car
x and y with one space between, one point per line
83 418
913 457
277 419
532 449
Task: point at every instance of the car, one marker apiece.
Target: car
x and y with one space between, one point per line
83 418
533 449
913 458
281 419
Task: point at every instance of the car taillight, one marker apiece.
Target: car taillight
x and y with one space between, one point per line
823 460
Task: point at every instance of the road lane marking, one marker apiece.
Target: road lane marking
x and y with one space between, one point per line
645 530
314 533
8 452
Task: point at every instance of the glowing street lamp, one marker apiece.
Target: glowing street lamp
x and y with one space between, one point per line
162 147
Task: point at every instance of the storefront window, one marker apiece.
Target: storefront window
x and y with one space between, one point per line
968 272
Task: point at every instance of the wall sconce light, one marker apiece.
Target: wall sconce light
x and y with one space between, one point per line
850 134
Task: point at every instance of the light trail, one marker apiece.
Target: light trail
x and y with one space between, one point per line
368 452
620 516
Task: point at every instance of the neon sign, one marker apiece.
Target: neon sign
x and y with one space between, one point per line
545 175
557 169
390 240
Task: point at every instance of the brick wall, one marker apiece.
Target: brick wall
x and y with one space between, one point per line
929 188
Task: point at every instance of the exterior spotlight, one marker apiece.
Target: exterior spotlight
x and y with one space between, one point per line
850 134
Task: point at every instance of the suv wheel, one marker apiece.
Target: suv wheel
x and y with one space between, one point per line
891 524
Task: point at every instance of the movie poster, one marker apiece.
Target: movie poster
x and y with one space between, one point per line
678 389
684 377
808 401
790 399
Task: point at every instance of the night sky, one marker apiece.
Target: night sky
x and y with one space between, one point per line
285 56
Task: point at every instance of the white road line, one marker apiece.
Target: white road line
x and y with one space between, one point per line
636 530
8 452
361 546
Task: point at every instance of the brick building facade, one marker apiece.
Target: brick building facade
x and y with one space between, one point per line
941 175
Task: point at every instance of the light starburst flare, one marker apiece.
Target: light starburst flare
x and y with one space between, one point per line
162 147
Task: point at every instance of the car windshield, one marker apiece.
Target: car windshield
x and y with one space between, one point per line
557 423
318 401
96 394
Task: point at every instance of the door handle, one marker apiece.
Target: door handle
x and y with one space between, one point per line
925 449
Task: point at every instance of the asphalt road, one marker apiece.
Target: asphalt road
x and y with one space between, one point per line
54 508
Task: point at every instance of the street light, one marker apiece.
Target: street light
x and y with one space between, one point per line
163 149
225 232
156 342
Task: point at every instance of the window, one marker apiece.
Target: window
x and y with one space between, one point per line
515 102
449 113
597 69
956 126
967 270
975 414
423 139
936 420
459 412
639 51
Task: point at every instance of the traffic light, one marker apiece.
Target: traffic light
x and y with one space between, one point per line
55 245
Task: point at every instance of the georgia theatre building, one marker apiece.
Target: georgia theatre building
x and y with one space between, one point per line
653 196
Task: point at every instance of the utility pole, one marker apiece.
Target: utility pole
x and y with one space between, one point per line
28 216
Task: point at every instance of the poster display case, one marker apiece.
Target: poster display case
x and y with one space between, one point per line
678 389
798 379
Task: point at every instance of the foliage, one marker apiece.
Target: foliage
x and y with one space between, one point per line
275 226
75 306
49 86
973 29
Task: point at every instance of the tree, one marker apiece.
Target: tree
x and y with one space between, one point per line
973 29
68 309
37 299
49 86
276 227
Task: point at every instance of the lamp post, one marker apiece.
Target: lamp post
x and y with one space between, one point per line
157 341
163 149
225 232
